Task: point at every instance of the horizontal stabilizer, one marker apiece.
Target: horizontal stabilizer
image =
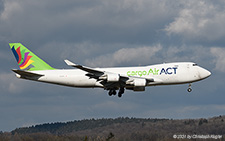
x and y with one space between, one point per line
26 73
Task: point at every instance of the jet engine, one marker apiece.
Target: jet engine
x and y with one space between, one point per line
139 88
110 77
113 77
139 82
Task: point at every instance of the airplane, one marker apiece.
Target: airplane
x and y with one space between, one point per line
111 79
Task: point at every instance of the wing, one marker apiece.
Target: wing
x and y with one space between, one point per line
87 69
112 80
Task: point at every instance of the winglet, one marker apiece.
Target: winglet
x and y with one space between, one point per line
69 63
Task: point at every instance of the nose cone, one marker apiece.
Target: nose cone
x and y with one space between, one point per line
204 73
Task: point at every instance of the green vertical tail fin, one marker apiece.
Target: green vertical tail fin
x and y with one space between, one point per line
28 60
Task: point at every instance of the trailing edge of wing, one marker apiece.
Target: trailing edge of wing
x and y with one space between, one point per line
84 68
26 73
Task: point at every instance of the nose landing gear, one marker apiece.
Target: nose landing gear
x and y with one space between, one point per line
189 88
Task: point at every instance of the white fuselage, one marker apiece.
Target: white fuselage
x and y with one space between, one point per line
163 74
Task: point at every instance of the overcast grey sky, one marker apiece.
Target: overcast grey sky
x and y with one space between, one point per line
101 33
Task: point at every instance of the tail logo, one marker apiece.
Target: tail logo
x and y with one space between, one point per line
23 58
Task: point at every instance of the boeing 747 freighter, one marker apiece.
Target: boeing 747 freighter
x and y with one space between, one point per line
111 79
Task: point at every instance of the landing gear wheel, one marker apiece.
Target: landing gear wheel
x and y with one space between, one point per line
189 89
114 92
121 91
110 93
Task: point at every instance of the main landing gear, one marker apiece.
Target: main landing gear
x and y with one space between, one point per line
121 91
189 88
113 92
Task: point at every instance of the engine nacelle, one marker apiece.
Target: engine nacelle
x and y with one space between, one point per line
139 82
113 77
139 89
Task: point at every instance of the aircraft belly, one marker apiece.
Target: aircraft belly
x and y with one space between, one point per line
83 82
74 81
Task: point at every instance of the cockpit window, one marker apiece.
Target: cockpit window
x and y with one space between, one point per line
195 64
